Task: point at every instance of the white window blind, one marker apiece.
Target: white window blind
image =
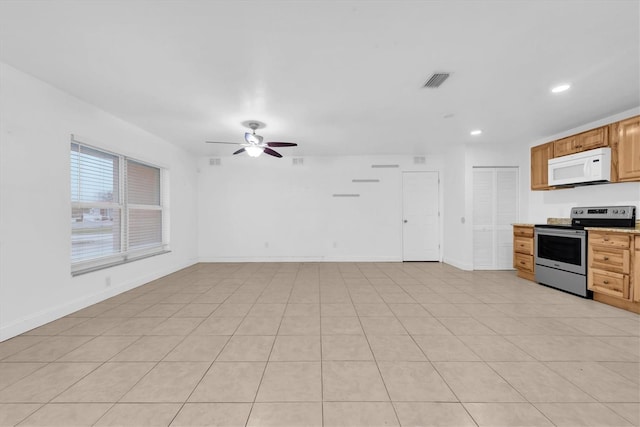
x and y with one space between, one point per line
118 208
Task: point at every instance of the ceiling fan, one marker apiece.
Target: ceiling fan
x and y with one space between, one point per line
253 144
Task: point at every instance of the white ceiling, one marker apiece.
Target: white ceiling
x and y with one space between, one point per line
339 78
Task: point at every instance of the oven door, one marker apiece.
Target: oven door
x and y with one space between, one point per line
561 249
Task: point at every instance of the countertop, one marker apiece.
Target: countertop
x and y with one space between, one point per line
629 230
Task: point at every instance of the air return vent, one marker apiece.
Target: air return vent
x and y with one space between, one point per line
214 162
436 80
298 161
419 160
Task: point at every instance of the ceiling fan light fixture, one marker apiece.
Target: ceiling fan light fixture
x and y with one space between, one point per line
253 151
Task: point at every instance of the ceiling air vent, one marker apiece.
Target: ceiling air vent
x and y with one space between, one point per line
436 80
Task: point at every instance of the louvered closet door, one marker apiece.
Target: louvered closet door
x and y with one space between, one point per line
495 209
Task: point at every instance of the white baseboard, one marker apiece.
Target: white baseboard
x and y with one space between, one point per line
40 318
458 264
300 259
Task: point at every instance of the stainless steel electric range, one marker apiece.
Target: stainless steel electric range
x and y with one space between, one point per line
560 252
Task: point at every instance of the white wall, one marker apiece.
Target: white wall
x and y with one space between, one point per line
36 121
456 248
268 209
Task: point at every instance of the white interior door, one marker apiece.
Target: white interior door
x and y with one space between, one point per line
495 209
421 216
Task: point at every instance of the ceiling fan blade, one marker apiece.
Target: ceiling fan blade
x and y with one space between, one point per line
220 142
242 150
271 152
281 144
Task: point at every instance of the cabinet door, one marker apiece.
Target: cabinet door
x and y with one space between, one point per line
565 146
629 149
540 156
595 138
636 270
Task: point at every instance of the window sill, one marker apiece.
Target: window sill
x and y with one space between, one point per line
82 271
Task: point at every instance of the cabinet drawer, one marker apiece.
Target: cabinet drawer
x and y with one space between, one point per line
523 262
609 259
523 231
608 283
523 245
610 240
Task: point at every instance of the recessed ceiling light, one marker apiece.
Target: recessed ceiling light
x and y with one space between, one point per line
561 88
476 132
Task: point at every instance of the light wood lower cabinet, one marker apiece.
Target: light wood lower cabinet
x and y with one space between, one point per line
613 268
523 247
636 271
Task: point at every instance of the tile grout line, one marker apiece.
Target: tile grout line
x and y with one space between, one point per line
266 364
375 360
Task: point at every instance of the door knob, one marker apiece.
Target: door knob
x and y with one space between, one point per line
405 221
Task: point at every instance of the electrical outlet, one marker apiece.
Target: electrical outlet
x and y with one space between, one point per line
107 281
335 244
266 244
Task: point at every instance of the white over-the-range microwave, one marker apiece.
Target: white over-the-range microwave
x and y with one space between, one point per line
587 167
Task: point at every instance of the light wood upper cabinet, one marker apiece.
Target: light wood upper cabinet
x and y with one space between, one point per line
623 137
626 150
540 156
564 146
589 140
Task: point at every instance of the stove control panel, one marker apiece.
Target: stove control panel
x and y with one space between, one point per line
604 212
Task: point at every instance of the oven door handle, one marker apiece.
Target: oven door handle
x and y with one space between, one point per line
560 233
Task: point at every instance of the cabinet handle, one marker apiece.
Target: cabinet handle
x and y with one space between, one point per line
606 258
606 282
606 239
521 245
522 262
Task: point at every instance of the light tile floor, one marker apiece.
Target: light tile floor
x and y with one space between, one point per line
328 344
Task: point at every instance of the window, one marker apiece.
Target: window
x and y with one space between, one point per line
118 209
